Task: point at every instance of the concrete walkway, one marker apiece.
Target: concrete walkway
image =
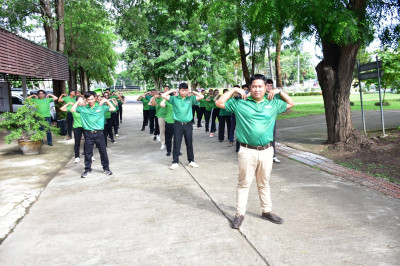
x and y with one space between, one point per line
146 214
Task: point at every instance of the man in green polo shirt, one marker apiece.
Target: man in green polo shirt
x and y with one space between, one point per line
152 114
255 120
145 102
93 116
183 127
43 102
68 99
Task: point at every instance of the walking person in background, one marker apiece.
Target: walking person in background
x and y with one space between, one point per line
78 129
183 127
68 99
224 118
255 119
43 102
145 102
92 116
209 107
169 124
201 110
152 113
108 125
214 114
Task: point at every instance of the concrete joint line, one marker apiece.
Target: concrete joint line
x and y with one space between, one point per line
226 216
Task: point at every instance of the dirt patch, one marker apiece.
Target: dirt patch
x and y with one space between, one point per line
371 154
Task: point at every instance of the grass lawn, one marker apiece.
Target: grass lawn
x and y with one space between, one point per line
313 105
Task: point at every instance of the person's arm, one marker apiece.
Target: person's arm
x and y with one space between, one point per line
60 100
227 95
153 101
284 96
216 98
64 107
73 108
52 96
31 96
162 103
166 95
199 96
105 101
208 98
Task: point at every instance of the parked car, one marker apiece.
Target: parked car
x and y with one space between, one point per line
18 101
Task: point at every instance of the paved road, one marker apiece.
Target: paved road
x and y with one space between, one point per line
146 214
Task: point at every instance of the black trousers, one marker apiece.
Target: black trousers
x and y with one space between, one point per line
207 116
145 118
90 140
78 132
108 133
183 130
214 116
232 132
195 109
200 114
152 118
70 121
114 122
169 133
120 111
221 129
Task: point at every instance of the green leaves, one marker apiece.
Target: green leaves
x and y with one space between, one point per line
25 124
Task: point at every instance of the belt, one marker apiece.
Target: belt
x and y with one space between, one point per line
93 131
182 123
260 148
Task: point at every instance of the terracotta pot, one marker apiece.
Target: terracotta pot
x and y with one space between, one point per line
30 147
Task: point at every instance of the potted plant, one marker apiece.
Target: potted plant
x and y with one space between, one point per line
27 127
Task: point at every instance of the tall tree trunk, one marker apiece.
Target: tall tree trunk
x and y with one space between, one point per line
72 79
335 74
82 79
48 21
278 59
270 64
243 55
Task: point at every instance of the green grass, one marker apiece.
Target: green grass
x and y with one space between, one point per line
308 105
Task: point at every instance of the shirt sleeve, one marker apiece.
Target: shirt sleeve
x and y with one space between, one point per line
281 105
105 107
51 99
171 100
80 109
230 105
69 108
194 101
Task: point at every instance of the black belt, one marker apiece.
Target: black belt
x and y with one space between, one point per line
93 131
260 148
182 123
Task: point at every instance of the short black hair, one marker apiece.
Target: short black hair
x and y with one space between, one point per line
183 86
166 86
108 89
79 96
41 91
270 81
89 93
245 86
258 76
236 86
225 90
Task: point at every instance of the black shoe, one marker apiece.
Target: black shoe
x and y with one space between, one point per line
86 174
199 125
50 144
273 218
207 131
108 172
113 141
237 221
168 153
221 140
155 138
142 129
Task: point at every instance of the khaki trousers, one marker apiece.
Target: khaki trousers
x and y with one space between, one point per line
161 124
252 163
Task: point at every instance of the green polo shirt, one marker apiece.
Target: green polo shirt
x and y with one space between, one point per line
210 104
148 97
182 108
116 106
255 121
145 103
223 112
76 116
202 102
68 99
169 114
93 118
160 111
43 106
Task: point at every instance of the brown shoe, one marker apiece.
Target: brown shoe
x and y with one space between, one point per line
237 221
272 218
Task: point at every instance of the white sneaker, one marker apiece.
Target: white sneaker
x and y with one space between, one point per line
93 159
116 135
211 135
77 160
162 147
158 138
276 160
174 166
193 164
